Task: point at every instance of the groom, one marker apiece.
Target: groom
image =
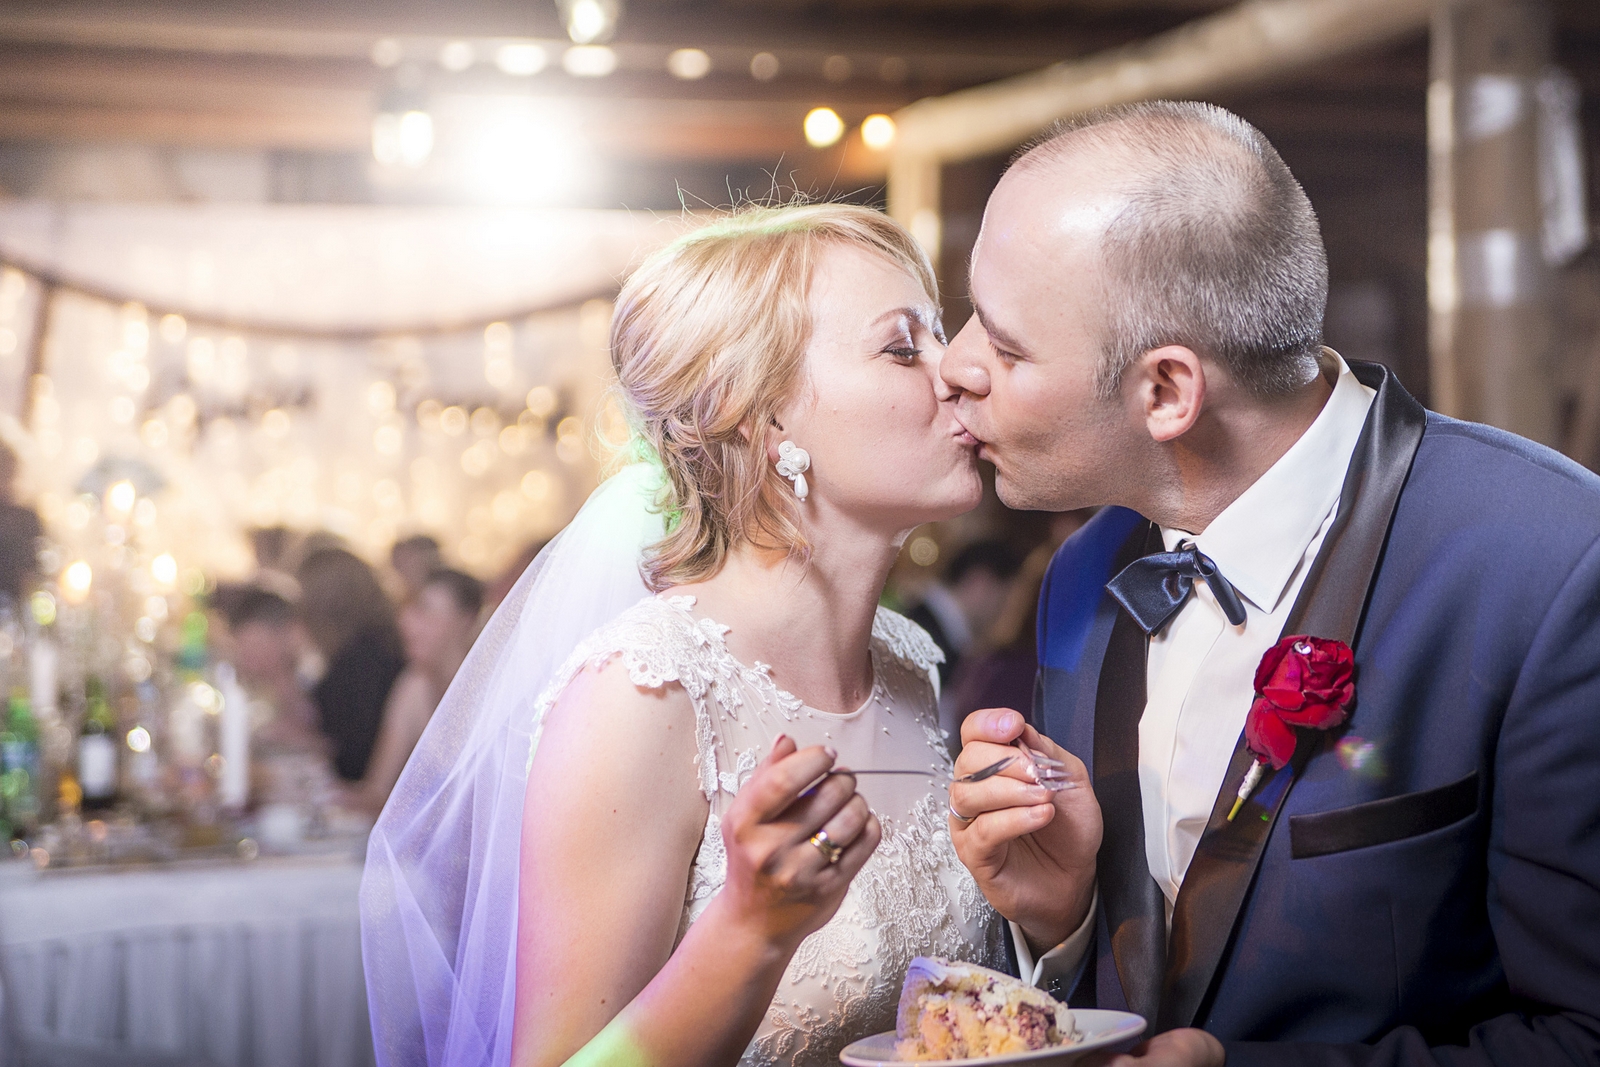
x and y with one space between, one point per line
1419 884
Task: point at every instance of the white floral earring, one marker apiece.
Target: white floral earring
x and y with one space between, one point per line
793 462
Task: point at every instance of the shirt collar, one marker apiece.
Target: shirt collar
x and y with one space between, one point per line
1258 541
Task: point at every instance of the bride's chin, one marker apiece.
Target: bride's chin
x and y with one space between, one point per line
964 496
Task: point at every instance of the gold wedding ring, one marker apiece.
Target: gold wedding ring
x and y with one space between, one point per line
830 850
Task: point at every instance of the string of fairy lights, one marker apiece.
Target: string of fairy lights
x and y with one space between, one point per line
223 425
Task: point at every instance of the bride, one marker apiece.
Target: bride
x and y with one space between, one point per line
616 843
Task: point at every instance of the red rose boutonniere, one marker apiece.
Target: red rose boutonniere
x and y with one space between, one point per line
1305 682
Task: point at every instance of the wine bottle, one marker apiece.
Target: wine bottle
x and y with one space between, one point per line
97 749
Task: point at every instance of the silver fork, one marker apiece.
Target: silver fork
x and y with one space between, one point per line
1046 770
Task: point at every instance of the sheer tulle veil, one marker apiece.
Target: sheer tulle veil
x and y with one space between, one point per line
439 895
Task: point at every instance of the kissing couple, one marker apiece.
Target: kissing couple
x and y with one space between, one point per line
1323 674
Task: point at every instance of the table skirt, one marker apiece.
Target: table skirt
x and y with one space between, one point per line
247 966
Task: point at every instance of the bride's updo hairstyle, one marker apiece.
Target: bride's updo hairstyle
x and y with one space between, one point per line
708 340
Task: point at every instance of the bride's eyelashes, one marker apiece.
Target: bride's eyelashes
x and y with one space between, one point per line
905 349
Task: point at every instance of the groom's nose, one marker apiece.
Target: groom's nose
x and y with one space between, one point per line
962 367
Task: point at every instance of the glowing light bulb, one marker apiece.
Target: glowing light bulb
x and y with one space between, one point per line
520 59
139 739
763 66
689 64
386 52
589 61
405 138
877 132
164 569
76 580
457 56
121 496
588 21
823 127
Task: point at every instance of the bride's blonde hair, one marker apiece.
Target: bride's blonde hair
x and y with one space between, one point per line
708 340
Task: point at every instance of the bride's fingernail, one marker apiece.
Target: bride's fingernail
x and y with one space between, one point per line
832 752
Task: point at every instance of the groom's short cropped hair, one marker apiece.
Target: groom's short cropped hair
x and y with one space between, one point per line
1218 248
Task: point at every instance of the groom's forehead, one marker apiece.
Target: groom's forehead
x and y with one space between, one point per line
1034 216
1072 185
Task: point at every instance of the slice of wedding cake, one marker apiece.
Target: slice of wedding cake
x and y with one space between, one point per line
951 1011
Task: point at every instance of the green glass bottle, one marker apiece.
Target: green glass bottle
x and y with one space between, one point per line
19 766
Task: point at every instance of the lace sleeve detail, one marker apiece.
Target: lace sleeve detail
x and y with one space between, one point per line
907 641
660 644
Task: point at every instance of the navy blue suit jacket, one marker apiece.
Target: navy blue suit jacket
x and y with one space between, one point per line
1423 887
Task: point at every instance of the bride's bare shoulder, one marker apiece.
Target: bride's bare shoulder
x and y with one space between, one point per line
602 728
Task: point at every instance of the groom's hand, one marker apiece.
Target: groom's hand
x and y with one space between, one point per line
1031 851
1174 1048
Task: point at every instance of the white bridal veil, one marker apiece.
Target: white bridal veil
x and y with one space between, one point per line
439 896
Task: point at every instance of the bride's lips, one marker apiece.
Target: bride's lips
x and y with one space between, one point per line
966 436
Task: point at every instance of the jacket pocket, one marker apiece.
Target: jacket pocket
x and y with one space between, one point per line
1379 822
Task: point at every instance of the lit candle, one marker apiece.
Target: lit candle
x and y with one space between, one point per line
42 662
233 742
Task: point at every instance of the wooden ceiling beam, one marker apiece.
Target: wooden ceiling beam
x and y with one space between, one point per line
1247 44
622 132
346 31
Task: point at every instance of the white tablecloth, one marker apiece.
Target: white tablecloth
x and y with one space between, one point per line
247 965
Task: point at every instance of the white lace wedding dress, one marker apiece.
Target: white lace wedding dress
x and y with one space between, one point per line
912 898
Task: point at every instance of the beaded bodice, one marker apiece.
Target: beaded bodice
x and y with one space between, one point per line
912 898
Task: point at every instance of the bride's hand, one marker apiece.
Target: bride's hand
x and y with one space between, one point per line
780 885
1031 851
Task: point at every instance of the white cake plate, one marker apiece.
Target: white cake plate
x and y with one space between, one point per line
1100 1030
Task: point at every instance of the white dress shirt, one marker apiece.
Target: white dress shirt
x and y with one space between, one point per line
1200 673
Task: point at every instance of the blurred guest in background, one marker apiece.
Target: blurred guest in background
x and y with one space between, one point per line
352 623
275 548
414 559
999 672
19 532
958 610
437 627
267 648
500 586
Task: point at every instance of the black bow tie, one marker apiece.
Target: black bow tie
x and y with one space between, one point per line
1154 587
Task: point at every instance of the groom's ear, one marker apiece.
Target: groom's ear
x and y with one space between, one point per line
1170 386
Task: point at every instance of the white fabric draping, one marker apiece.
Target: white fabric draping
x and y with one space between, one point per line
358 424
241 965
333 267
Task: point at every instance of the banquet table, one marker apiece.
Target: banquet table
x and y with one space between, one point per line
232 964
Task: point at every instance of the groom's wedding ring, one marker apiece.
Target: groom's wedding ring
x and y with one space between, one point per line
958 817
831 851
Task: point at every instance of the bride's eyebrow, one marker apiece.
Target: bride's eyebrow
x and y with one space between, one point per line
920 316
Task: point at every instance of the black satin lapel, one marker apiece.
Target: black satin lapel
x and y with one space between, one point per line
1331 604
1134 909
